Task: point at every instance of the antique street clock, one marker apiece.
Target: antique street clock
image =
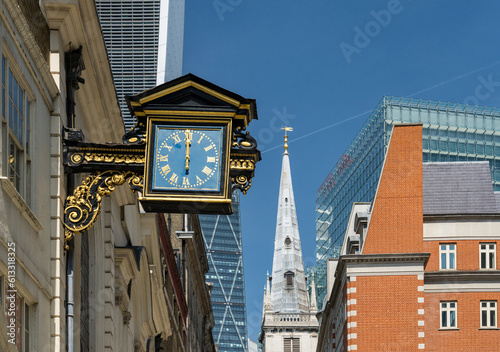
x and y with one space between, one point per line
187 157
187 153
196 150
187 162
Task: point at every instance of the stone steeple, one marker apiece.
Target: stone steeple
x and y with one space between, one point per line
314 307
289 323
288 290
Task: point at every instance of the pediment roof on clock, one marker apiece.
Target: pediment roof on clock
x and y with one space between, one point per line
190 93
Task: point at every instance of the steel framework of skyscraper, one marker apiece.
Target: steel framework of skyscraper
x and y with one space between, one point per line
451 132
144 39
223 243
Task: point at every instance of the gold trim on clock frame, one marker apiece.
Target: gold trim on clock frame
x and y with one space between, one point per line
225 188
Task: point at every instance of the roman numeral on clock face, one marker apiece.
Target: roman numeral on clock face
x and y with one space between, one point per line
206 170
208 148
166 169
176 138
174 178
210 159
163 157
185 181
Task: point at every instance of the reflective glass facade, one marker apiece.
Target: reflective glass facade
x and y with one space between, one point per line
451 132
222 236
130 29
140 52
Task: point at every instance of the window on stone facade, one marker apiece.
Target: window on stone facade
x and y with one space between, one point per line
448 315
487 255
289 276
17 309
488 314
291 344
17 131
447 256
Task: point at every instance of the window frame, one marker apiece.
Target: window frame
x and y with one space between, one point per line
487 251
289 280
294 344
447 252
448 310
24 327
488 311
10 71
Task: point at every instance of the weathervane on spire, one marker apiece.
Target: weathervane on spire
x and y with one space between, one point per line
287 129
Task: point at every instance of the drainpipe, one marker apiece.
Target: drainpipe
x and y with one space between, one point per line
74 66
70 316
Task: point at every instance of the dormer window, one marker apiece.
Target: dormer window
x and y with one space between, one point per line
289 279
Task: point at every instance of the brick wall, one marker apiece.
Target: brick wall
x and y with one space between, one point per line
467 254
388 311
396 225
468 336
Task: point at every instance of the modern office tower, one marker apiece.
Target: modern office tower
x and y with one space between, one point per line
222 235
144 40
425 254
451 132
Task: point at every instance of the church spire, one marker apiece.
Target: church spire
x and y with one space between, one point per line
314 306
288 292
267 296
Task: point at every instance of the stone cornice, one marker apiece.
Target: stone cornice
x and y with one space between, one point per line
477 275
460 217
296 321
380 258
462 281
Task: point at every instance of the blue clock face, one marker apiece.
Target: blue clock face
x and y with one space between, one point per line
187 158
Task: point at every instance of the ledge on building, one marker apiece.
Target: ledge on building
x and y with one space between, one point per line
21 205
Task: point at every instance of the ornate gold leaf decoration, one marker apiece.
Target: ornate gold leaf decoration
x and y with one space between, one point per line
83 207
76 158
237 164
115 158
243 141
242 183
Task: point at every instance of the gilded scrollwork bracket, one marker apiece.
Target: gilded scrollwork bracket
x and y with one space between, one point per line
108 165
83 207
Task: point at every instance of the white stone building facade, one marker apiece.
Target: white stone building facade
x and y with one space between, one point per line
128 293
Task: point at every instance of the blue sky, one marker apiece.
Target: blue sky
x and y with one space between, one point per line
321 67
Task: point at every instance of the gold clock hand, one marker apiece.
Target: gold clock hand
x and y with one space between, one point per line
188 144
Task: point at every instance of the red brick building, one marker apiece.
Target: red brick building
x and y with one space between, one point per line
419 266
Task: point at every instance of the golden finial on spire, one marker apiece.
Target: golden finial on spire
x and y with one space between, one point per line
287 129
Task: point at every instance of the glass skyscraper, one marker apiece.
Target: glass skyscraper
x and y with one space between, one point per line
222 236
451 132
144 39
